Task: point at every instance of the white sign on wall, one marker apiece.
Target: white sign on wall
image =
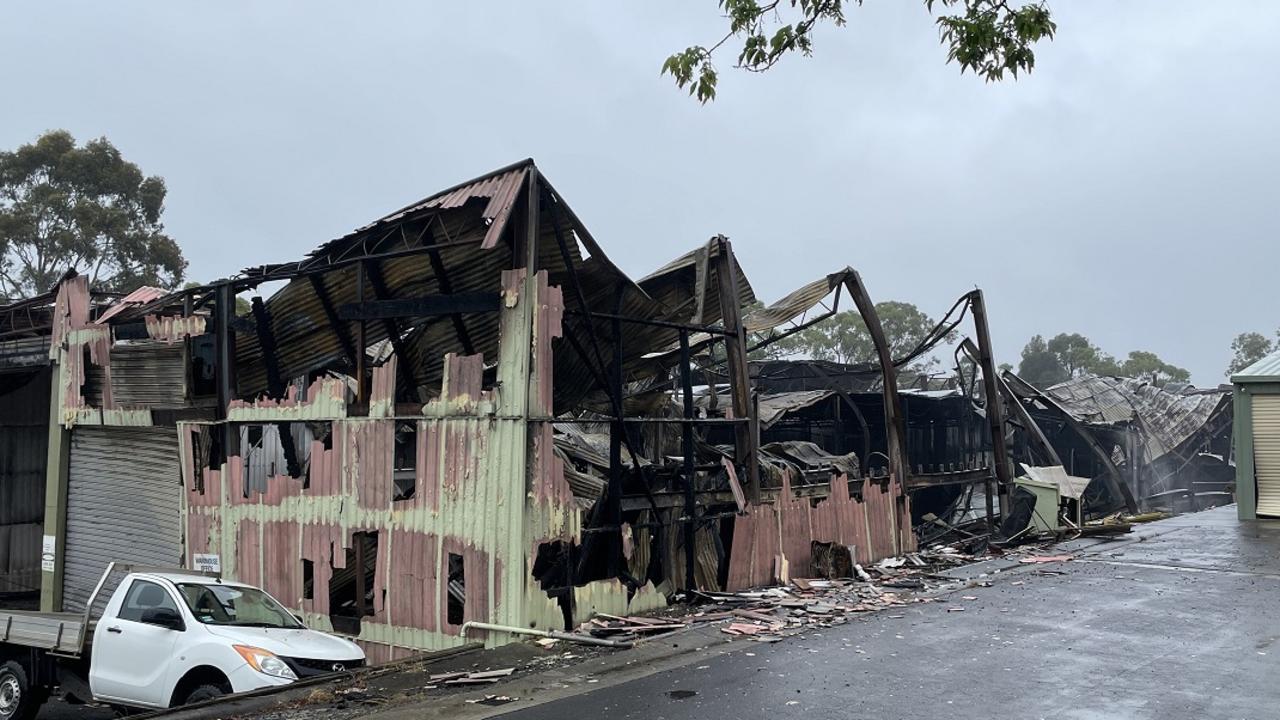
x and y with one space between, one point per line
205 562
48 551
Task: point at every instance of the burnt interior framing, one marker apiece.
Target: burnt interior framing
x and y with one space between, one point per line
541 228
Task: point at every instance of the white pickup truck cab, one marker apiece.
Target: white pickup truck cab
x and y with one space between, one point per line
165 638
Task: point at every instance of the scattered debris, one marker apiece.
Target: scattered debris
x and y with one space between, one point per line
471 678
1046 558
494 700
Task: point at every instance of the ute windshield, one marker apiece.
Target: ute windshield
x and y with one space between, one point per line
215 604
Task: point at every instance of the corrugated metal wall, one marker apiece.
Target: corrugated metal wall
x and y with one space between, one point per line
123 504
24 436
143 374
149 374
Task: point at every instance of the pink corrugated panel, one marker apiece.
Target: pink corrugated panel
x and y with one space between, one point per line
141 296
248 556
797 532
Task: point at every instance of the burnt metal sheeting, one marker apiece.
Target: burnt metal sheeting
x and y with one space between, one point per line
24 353
471 263
792 375
775 406
797 302
809 457
499 189
1168 418
305 342
689 288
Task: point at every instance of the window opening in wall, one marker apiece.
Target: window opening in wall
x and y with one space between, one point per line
405 472
311 432
203 383
308 580
351 587
456 609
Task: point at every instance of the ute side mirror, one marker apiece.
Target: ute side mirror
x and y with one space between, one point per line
163 617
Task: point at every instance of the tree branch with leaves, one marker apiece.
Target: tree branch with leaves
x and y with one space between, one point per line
987 37
65 206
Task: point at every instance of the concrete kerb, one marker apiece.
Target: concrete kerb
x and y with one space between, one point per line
257 701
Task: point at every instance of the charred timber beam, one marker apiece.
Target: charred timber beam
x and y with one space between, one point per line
708 329
446 288
617 432
254 277
1038 438
690 502
895 425
745 438
362 342
275 383
267 340
959 477
336 325
424 306
391 327
578 294
224 361
995 405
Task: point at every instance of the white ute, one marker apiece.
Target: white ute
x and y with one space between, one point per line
165 638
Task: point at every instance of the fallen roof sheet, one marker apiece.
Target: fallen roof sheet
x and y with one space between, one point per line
775 406
1168 418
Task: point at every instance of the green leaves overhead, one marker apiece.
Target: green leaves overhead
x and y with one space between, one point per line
65 206
987 37
990 38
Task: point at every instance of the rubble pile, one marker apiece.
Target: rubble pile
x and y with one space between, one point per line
773 613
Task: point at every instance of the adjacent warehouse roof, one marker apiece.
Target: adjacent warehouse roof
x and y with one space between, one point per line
1266 370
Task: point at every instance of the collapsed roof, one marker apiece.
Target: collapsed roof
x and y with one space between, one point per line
1167 419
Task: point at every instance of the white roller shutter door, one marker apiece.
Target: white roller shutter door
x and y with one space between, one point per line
1266 452
124 504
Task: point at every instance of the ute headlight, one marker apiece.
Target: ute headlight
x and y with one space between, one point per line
265 662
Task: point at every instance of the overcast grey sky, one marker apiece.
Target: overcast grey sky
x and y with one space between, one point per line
1126 190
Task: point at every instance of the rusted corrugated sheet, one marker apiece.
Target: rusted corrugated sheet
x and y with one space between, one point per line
137 298
500 188
876 526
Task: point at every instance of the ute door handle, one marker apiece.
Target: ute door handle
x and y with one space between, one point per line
115 629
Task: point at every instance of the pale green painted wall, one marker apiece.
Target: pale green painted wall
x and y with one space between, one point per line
1242 436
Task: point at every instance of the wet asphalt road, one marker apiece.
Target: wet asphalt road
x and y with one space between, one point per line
1180 626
